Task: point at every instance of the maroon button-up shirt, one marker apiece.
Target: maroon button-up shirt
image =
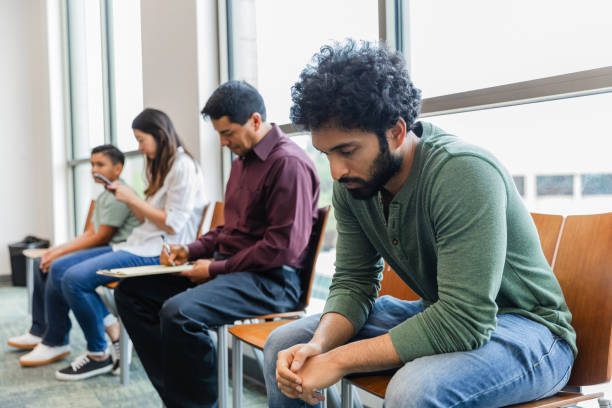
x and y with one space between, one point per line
270 206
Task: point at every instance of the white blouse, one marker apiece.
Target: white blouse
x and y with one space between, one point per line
181 197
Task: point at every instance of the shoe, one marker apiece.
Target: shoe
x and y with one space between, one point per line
43 354
84 367
26 341
116 354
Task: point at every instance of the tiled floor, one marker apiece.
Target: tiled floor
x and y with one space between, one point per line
37 387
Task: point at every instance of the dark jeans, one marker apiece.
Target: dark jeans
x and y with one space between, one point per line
39 324
168 318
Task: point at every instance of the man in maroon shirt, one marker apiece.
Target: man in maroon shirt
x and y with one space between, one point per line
247 267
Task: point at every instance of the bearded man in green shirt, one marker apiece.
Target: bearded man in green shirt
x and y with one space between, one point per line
492 327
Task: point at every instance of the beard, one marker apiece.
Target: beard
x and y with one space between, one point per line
384 166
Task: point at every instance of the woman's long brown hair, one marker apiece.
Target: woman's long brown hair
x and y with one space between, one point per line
158 124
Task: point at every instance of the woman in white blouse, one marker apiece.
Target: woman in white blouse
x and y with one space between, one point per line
172 207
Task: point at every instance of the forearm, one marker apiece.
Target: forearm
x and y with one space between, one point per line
141 209
84 241
334 330
375 354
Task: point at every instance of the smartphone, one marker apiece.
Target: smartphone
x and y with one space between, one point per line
103 179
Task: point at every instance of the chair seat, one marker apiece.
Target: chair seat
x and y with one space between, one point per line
374 384
377 385
560 399
257 333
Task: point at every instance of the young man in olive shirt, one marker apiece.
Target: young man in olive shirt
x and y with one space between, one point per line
492 328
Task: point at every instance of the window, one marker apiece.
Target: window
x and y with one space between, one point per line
273 40
105 88
270 42
465 45
504 82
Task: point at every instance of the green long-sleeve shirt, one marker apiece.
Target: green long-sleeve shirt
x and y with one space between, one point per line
460 236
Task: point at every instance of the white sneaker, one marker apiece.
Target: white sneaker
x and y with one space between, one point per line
43 354
26 341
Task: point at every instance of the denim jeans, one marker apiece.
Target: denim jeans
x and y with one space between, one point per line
523 361
71 286
39 324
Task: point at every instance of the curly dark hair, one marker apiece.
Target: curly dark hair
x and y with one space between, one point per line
355 85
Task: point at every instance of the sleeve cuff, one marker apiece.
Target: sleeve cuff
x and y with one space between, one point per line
217 268
410 340
195 250
346 305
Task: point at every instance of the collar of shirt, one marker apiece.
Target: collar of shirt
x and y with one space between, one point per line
264 147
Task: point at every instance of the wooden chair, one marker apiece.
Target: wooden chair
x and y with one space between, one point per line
582 260
583 266
549 228
256 334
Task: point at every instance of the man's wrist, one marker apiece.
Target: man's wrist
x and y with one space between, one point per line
337 358
186 249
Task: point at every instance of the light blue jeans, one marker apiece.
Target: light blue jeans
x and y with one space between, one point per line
523 361
71 285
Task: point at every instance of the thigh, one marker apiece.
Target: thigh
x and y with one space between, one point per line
85 272
523 361
63 263
227 298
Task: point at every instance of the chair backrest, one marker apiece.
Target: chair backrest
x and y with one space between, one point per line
313 249
89 214
394 286
583 267
204 214
217 215
549 227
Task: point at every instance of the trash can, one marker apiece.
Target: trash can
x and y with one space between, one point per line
18 260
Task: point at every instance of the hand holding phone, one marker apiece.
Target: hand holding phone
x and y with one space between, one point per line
103 179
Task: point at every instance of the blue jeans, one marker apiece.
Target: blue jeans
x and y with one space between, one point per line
39 324
523 361
71 286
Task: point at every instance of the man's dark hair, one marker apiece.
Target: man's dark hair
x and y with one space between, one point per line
237 100
115 155
355 85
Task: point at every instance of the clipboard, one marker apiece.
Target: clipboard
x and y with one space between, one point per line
143 270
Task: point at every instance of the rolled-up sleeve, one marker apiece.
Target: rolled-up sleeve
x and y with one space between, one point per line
181 196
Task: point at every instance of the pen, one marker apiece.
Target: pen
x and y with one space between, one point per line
167 247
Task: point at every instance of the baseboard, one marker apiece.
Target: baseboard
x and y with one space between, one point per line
5 280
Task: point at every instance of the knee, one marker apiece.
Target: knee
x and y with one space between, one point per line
280 339
408 389
71 282
177 315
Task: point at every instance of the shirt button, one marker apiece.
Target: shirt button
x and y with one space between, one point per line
395 242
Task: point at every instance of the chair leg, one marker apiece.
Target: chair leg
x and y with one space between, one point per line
222 366
237 372
346 394
124 355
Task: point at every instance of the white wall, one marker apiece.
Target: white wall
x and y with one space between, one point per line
180 71
26 204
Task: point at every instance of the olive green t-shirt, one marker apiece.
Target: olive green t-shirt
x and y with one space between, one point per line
112 212
460 236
